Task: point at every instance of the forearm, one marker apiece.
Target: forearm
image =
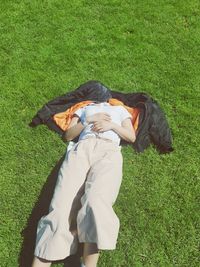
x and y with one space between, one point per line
73 132
77 128
126 134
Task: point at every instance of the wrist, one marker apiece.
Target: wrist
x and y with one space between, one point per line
113 126
89 119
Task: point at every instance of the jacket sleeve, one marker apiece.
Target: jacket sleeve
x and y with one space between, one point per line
159 130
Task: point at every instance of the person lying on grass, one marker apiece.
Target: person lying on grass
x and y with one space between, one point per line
94 163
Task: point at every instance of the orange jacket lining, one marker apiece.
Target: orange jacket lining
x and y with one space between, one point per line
63 119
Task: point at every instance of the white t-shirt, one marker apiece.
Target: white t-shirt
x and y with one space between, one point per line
117 114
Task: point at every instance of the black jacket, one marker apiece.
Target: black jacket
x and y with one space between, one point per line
153 126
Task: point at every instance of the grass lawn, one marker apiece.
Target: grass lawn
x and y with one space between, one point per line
51 47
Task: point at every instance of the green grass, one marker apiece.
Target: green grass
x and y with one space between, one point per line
51 47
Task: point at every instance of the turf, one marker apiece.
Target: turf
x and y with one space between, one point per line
49 48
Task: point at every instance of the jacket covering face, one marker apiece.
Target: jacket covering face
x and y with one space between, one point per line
153 127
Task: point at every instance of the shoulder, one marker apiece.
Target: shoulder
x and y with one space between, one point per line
120 109
124 113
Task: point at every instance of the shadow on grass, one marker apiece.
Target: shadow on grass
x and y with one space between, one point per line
40 209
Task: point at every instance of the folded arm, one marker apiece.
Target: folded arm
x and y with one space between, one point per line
101 123
125 131
75 127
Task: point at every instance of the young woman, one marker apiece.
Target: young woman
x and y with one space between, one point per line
93 164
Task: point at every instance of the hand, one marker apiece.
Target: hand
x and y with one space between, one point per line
100 116
102 126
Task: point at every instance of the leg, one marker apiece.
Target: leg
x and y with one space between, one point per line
90 254
54 237
96 220
40 263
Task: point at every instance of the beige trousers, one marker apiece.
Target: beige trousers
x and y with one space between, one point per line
81 208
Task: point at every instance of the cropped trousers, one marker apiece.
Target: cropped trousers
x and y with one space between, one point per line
81 209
